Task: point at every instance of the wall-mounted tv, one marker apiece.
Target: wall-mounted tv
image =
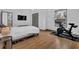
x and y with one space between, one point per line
22 17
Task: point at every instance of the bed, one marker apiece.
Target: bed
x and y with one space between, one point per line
24 31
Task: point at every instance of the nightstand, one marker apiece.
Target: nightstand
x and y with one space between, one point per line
6 42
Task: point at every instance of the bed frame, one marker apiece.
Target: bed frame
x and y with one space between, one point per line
22 39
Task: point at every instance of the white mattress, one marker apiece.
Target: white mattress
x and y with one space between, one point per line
20 32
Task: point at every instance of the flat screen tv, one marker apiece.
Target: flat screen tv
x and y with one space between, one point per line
22 17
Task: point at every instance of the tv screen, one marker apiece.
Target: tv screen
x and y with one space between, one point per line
21 17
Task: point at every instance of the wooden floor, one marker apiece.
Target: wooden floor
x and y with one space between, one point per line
45 40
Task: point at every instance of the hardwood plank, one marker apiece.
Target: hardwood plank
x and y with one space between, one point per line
45 40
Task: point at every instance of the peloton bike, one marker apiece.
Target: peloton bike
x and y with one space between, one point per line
62 31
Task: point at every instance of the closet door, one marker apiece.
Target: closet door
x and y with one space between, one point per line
35 19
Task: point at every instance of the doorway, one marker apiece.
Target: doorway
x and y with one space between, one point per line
6 18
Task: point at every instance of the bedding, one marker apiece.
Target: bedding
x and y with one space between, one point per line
25 31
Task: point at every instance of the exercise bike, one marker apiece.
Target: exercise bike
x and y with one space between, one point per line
62 31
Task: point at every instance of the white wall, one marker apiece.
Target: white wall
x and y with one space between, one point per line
42 17
28 13
72 17
46 17
50 20
16 12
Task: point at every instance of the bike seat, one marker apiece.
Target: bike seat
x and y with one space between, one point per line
71 23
